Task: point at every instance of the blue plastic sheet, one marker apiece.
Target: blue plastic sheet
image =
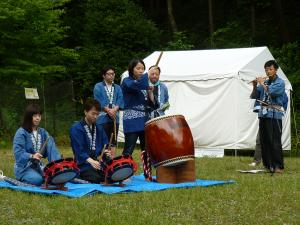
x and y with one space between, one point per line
136 184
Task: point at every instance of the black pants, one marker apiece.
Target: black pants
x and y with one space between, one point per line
109 129
92 175
130 142
270 138
257 153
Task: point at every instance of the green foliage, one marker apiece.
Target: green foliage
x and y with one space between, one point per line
112 32
179 42
233 35
30 32
9 118
288 57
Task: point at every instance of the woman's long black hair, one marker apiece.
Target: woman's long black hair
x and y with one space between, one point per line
30 110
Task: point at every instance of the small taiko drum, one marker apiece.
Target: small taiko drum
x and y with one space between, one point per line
169 140
119 168
61 171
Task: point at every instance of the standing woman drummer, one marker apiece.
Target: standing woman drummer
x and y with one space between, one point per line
27 143
135 93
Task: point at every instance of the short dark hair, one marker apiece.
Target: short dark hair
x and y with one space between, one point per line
30 110
271 63
156 67
107 68
90 103
133 64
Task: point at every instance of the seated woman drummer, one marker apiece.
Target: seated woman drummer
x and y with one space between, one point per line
158 97
30 146
88 140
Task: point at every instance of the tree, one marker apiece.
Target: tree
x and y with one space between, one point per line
30 32
112 33
171 16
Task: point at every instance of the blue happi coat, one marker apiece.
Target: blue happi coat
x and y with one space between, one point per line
275 96
100 95
23 148
135 101
80 143
162 98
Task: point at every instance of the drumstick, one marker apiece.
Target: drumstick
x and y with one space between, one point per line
100 157
42 150
110 141
115 130
159 57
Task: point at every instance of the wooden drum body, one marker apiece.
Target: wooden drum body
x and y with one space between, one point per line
169 140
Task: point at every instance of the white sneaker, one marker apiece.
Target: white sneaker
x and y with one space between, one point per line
253 164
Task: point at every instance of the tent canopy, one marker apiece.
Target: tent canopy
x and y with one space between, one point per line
245 63
211 89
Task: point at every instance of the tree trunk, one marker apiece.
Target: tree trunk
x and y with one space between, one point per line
284 34
171 16
253 26
210 17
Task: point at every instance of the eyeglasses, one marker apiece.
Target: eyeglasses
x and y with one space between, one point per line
111 74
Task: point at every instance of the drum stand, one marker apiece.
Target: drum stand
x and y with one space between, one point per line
60 187
106 183
184 172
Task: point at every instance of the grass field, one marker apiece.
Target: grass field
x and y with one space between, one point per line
254 199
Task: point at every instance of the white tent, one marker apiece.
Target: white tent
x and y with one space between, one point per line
211 89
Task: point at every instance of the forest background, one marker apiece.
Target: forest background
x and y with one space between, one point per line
60 46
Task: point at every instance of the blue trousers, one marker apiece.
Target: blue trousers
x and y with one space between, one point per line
32 174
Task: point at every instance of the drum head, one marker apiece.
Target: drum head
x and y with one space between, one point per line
63 177
120 173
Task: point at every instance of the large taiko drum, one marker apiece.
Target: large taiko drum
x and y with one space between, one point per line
169 140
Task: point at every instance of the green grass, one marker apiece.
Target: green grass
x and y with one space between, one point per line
254 199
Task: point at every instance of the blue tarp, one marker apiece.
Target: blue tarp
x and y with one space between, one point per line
136 184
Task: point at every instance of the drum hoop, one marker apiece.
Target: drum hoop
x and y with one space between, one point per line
68 161
117 163
63 165
162 118
173 160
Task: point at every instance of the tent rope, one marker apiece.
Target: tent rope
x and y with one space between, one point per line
295 123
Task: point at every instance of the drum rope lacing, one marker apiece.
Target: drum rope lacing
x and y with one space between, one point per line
162 118
174 159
